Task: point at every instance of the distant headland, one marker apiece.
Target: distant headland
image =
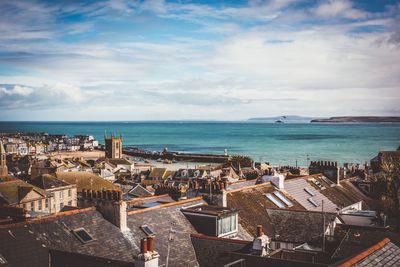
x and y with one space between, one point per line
361 119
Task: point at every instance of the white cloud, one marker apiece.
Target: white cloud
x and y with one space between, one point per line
339 8
17 90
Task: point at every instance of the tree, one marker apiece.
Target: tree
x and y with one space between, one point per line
389 181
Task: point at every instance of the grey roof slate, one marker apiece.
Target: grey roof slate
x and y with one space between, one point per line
295 187
161 221
389 255
32 240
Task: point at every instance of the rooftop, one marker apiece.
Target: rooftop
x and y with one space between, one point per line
86 180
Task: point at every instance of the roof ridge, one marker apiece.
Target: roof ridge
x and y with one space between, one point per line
145 198
230 240
365 253
48 217
165 205
248 187
304 211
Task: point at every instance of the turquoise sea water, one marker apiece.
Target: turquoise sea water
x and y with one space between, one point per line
276 143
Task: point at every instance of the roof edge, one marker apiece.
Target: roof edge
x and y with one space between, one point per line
229 240
164 205
47 218
248 187
365 253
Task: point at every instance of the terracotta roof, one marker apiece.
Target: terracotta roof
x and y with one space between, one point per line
86 180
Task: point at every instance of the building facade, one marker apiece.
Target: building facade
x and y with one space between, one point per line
113 147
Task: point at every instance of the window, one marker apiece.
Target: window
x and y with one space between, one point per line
46 203
61 195
227 225
277 245
237 263
312 201
32 206
40 204
83 235
61 205
311 193
69 203
3 260
69 192
283 198
24 205
147 230
276 201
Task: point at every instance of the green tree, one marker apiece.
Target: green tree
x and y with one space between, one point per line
389 181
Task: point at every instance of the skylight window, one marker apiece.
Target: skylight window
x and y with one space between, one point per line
308 190
283 198
3 260
313 202
147 230
83 235
276 201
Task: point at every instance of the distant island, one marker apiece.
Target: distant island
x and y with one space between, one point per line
362 119
283 119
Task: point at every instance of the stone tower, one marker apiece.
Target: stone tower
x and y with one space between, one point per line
3 161
113 147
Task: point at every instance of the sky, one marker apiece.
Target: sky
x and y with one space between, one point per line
198 60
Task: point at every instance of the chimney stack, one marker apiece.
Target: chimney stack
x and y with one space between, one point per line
259 230
143 246
150 244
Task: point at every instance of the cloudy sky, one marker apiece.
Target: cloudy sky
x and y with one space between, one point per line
199 60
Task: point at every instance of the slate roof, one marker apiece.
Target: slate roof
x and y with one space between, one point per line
47 181
384 253
218 252
120 161
161 220
55 232
252 204
341 196
297 226
296 188
12 192
19 246
157 173
355 239
86 180
139 191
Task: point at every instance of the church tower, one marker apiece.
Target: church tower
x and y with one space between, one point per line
113 147
3 161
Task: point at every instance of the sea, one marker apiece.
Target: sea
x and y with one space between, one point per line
276 143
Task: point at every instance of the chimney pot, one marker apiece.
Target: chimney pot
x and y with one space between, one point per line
150 243
143 246
259 230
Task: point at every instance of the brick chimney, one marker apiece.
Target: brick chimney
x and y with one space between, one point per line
148 257
261 242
